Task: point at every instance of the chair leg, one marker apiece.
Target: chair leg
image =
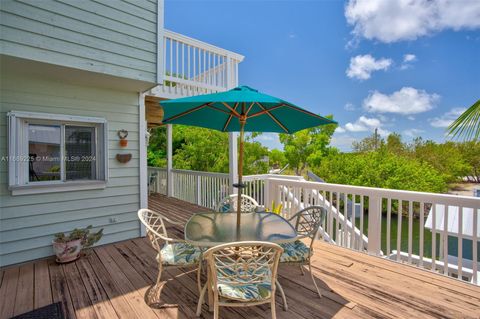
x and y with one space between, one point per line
282 293
272 306
159 276
199 276
302 270
215 308
313 278
200 300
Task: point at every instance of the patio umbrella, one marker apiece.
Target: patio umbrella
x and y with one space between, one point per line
241 109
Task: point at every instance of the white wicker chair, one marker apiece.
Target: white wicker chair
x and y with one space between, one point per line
307 222
241 274
172 252
230 203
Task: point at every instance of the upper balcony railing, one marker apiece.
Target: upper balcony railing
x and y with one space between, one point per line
438 232
193 67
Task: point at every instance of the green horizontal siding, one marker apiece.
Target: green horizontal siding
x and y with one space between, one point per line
111 37
28 222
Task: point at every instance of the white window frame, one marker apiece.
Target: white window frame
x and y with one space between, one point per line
18 177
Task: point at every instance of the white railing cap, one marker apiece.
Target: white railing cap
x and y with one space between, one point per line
207 46
447 199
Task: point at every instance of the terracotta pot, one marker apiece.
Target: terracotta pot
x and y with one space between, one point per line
68 251
123 143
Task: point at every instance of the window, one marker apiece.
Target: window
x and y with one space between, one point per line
51 152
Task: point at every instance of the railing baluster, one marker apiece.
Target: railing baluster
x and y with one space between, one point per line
421 230
352 220
389 221
171 59
337 233
399 228
176 60
345 219
474 244
183 60
330 215
410 230
445 240
434 236
361 246
460 242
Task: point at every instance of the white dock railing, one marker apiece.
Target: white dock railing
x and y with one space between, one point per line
355 214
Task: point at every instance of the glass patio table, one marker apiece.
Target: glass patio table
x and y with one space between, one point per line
212 229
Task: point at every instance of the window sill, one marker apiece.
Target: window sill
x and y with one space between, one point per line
57 187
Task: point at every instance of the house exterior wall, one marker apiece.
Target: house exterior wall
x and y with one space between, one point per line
28 222
112 37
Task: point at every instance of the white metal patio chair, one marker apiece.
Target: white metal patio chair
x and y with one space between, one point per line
230 203
307 222
172 252
241 274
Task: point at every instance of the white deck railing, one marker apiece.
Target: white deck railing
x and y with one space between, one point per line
393 205
354 218
193 67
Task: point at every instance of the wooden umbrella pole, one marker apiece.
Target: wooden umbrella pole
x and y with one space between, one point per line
240 172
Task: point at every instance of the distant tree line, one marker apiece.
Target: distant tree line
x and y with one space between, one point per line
421 165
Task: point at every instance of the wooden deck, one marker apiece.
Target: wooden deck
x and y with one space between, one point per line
114 282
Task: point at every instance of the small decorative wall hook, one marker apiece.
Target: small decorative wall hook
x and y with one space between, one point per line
122 134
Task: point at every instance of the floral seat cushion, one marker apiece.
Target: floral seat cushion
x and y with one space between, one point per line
245 292
295 251
179 254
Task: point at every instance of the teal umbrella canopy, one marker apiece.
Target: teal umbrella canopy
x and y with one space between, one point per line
241 109
223 112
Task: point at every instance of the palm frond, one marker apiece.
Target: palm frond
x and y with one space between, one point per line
467 125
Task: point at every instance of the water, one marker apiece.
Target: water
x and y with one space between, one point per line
417 228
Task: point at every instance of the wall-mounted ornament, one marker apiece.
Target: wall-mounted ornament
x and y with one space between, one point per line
122 134
124 158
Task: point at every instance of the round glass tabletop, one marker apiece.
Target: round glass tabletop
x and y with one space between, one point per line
212 229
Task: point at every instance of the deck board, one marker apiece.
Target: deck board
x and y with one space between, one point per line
114 281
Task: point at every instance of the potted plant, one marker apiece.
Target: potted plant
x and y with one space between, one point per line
68 247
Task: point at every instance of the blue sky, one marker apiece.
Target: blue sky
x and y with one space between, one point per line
399 66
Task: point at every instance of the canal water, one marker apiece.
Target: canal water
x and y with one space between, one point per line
417 228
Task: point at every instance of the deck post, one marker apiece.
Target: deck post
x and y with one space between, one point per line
232 136
232 161
169 161
143 178
374 225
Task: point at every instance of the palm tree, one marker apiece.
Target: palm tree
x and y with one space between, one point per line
467 125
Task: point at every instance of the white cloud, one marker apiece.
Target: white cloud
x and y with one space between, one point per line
390 21
409 58
266 137
344 142
340 129
406 101
447 118
349 107
362 66
365 124
413 132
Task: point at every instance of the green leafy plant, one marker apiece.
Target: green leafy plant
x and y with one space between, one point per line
87 239
276 209
467 125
